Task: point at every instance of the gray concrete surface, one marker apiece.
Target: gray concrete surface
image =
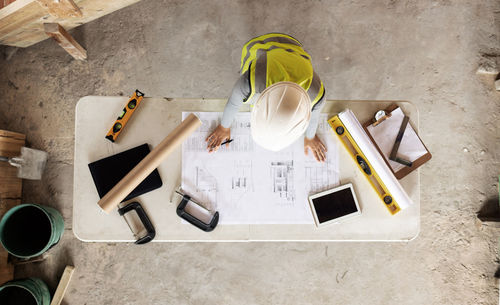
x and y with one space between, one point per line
423 51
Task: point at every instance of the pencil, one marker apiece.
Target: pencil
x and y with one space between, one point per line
226 142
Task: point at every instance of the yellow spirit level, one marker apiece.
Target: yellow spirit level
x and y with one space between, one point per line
392 205
124 117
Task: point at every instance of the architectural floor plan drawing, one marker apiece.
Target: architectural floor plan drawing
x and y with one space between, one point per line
250 185
242 176
282 176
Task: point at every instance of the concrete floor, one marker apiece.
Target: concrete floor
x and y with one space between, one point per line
423 51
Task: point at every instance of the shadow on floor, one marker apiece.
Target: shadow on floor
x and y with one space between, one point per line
490 211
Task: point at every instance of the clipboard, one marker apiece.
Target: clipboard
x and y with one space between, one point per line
383 133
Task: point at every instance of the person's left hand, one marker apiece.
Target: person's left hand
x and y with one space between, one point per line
316 146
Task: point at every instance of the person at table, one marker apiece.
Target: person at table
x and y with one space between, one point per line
278 80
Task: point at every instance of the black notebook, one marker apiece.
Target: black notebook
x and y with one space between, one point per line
109 171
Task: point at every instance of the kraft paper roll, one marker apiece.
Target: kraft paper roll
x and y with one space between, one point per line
374 158
149 163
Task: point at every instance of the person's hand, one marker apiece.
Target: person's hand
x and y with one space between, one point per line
316 146
219 135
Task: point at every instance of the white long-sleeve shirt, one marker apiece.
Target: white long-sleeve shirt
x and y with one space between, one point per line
241 91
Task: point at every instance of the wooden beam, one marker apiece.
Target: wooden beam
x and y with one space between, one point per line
10 184
11 143
65 40
16 16
17 6
63 285
6 268
21 23
61 8
7 2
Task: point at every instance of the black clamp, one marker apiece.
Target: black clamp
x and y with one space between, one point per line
136 206
181 211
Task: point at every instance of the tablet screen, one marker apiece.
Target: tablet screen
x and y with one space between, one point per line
334 205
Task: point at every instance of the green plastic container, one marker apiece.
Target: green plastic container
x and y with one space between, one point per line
28 230
31 291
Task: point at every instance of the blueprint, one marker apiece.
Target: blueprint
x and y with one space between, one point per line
247 184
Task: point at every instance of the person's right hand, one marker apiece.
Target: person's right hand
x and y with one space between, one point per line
316 146
219 135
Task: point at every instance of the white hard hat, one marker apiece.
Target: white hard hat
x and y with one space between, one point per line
280 115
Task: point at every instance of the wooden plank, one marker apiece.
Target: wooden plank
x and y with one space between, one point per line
63 285
65 40
61 8
30 30
7 204
25 37
15 7
5 2
11 142
19 17
9 138
15 17
10 185
6 269
10 189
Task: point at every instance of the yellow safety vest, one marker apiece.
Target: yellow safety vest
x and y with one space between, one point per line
275 57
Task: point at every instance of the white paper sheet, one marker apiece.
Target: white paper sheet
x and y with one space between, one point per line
250 185
385 134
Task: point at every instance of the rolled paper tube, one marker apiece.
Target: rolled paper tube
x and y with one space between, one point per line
374 158
149 163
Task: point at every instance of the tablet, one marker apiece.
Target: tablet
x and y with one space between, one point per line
334 205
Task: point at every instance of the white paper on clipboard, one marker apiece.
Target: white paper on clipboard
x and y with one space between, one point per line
385 133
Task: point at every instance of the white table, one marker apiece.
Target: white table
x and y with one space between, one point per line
155 118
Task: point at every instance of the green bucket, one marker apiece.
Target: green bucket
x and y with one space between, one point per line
31 291
28 230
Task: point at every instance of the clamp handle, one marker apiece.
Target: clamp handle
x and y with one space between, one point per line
151 233
207 227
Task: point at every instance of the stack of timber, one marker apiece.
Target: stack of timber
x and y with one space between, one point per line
10 189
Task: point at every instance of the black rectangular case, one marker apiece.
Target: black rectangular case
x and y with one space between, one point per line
109 171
